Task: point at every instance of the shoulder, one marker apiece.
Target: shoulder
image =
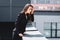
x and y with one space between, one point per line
20 14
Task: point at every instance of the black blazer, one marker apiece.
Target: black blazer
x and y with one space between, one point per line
21 22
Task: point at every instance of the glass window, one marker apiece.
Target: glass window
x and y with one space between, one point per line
58 25
58 33
52 29
47 33
53 33
53 25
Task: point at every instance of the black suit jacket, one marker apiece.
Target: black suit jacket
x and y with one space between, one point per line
21 22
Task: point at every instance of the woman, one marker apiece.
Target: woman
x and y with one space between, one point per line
25 16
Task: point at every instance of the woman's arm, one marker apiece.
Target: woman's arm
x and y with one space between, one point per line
32 17
18 23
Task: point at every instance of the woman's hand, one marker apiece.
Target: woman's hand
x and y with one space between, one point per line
20 34
32 11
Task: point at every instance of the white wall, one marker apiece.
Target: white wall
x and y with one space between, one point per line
40 19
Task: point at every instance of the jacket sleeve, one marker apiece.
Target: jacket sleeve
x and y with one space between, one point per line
32 17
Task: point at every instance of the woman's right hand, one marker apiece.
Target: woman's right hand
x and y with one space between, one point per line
20 34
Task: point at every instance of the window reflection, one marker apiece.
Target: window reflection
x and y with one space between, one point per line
58 25
58 33
53 33
53 25
47 33
52 29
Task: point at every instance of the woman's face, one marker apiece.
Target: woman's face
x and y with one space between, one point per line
29 10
